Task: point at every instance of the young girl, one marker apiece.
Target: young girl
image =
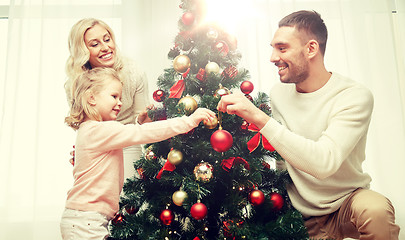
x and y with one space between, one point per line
92 44
98 171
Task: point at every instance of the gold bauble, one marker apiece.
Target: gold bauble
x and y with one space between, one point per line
175 157
181 63
179 197
221 91
212 67
190 104
211 123
203 172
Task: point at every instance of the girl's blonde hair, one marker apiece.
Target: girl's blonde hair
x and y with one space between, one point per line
78 60
89 82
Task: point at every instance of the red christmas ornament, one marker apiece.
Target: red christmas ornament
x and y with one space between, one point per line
244 126
246 87
131 209
167 217
159 95
230 72
201 75
198 211
277 200
256 197
118 218
187 18
222 47
221 140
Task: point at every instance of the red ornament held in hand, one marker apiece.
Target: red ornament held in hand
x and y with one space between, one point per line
246 87
221 140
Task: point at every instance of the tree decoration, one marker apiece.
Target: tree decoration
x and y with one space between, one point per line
277 201
203 172
198 211
175 157
118 218
201 75
222 47
211 123
230 72
187 18
178 197
181 63
221 140
254 142
149 154
131 209
212 34
159 95
246 87
190 104
256 197
166 216
221 91
212 67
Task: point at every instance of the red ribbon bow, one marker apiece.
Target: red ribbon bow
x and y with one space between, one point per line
167 167
178 88
227 164
254 142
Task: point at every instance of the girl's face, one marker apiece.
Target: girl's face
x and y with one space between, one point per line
101 46
108 100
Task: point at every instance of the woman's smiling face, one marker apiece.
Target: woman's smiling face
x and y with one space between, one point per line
101 47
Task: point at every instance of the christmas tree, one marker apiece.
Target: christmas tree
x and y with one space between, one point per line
213 182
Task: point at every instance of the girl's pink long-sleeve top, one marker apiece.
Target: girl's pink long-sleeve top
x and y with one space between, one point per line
99 171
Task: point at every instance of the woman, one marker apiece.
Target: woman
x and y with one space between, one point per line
92 44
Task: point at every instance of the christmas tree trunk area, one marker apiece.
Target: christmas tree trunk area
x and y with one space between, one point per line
214 182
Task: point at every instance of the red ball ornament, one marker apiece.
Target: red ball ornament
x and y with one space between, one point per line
131 209
256 197
118 218
246 87
159 95
277 200
198 211
167 217
187 18
221 140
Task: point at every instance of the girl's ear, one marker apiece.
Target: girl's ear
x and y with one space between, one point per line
90 98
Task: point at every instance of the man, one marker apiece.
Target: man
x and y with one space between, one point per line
320 128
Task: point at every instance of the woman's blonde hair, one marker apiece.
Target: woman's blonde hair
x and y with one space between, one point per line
89 82
78 60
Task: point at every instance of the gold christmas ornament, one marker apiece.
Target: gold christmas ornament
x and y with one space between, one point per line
221 91
212 67
181 63
149 154
190 104
203 172
179 197
175 157
211 124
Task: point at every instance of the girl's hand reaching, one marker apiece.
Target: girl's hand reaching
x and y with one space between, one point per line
201 114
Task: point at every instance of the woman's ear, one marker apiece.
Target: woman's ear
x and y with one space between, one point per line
90 98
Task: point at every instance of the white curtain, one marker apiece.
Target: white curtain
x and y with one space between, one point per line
366 40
